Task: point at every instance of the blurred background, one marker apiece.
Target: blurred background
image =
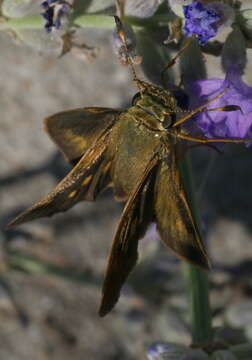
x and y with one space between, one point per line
52 269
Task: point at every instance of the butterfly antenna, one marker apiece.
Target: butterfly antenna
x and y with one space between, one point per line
123 38
120 4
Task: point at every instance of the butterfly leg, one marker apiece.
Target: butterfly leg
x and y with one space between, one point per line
201 108
205 141
173 61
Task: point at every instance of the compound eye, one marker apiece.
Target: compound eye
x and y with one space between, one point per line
169 120
136 97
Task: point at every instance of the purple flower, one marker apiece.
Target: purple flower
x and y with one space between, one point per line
53 12
219 124
201 20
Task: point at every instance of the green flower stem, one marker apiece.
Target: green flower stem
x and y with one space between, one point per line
154 21
97 21
83 21
37 22
197 279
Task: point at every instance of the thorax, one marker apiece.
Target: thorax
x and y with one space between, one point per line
135 139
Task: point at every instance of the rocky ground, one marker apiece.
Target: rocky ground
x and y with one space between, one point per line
51 270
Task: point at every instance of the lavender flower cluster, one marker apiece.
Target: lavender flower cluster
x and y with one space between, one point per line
201 20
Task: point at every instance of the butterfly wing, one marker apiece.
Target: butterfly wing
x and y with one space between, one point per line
75 130
80 183
175 221
135 219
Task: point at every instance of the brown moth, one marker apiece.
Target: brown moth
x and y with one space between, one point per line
135 150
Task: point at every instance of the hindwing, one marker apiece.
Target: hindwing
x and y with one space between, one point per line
175 222
137 215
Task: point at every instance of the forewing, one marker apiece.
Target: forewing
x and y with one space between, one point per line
175 222
75 130
137 215
79 184
101 179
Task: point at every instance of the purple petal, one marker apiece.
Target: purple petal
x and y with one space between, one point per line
200 20
217 124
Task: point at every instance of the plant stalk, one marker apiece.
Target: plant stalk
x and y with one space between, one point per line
98 21
196 278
